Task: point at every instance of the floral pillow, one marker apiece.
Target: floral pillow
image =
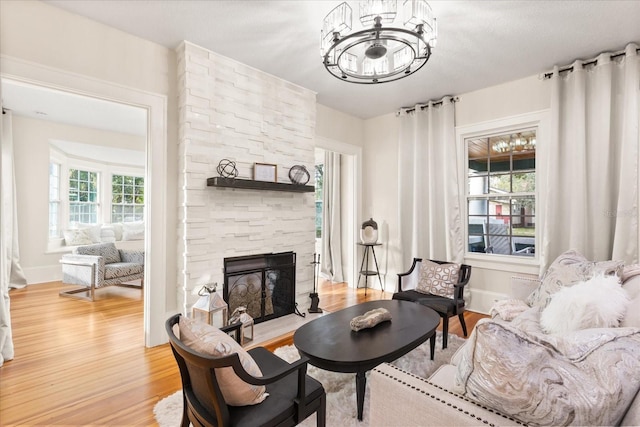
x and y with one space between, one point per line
438 279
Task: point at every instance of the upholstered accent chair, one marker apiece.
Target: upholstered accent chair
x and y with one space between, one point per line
446 305
100 265
288 394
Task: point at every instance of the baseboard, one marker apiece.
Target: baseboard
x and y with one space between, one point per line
481 301
44 274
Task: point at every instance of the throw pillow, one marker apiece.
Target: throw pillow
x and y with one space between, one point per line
439 279
133 231
587 377
568 269
209 340
92 229
599 302
423 285
75 237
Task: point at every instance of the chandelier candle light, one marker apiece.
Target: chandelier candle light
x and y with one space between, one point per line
386 46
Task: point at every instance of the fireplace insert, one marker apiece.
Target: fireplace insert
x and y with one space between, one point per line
264 284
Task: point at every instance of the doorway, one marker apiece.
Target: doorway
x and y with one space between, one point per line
350 190
155 289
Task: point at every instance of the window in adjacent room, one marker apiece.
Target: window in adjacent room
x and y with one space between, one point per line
501 201
83 196
127 198
54 200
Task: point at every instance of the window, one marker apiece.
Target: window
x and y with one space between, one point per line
54 200
501 199
127 198
83 196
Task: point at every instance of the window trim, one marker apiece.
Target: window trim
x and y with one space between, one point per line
536 120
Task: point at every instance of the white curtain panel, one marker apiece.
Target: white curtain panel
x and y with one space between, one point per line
429 203
331 262
11 274
591 184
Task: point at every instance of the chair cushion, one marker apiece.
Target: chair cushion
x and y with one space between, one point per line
106 250
438 279
443 306
209 340
279 406
121 269
568 269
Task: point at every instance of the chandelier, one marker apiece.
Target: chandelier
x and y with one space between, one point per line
382 48
519 143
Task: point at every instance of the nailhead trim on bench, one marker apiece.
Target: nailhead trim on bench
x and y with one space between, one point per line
474 416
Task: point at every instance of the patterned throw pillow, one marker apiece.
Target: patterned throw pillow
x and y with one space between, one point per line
208 339
438 279
568 269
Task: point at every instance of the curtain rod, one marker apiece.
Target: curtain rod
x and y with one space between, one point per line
454 99
569 68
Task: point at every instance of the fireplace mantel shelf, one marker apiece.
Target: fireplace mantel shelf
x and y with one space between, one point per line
249 184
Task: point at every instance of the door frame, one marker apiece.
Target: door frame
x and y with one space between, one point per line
155 289
353 159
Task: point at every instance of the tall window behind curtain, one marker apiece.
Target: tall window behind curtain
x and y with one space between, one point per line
592 160
429 204
331 260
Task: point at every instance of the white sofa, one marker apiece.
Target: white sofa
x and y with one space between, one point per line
399 398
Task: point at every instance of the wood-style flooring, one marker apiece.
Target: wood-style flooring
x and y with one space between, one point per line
80 363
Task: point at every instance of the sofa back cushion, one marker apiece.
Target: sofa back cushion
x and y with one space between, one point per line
568 269
106 250
587 377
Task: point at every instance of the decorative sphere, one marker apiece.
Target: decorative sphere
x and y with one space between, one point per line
299 174
227 168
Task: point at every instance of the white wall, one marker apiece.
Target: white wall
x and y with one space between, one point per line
31 154
489 280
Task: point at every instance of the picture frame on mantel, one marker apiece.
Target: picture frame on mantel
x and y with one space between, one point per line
265 172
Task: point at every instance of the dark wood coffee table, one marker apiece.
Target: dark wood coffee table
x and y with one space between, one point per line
330 344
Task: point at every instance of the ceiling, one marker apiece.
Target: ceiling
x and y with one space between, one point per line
480 43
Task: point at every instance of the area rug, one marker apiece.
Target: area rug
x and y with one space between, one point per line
340 388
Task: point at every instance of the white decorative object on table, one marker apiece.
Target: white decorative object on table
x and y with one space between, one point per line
369 232
370 319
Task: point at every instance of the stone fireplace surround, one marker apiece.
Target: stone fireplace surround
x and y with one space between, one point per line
228 110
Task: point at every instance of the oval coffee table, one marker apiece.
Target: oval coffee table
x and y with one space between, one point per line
330 344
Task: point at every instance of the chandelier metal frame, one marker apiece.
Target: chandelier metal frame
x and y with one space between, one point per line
371 44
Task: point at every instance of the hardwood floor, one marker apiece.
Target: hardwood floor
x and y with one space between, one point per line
82 363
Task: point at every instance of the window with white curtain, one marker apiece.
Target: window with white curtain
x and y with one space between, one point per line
501 192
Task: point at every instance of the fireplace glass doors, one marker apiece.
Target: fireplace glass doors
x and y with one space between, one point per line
264 284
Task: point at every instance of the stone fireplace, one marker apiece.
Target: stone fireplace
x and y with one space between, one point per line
229 110
265 284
